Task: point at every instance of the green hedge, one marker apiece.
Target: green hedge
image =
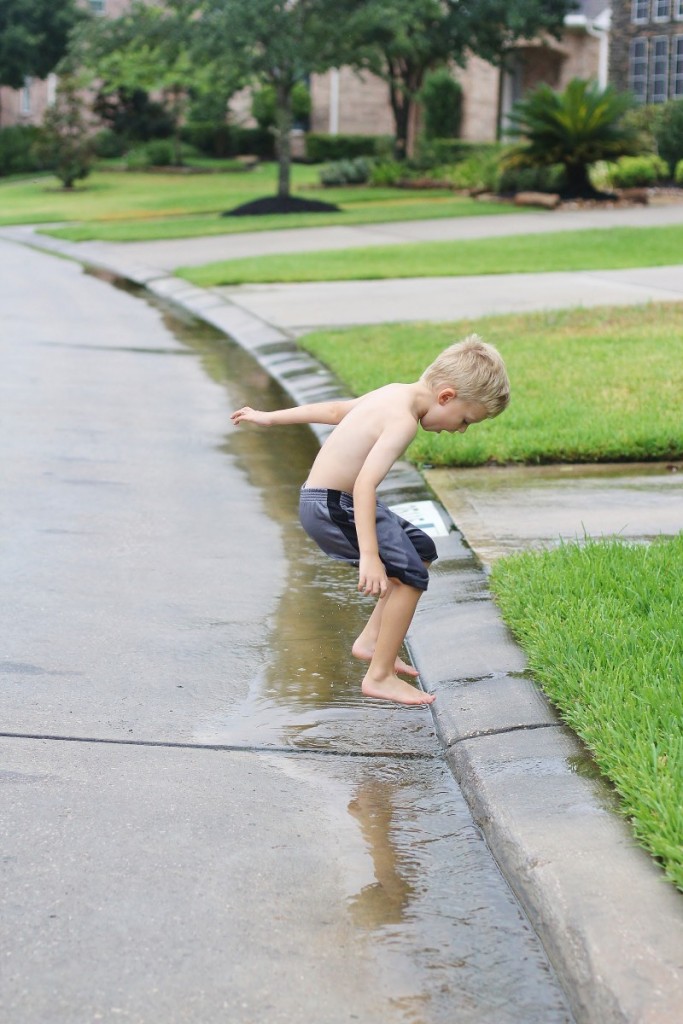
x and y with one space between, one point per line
18 150
324 148
225 140
532 179
638 171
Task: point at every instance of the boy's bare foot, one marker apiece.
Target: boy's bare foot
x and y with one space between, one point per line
363 654
393 688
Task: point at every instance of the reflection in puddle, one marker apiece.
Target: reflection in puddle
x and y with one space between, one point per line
385 900
439 927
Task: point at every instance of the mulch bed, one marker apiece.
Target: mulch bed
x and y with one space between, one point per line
280 204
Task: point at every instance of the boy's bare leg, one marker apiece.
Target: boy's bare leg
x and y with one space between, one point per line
381 679
364 646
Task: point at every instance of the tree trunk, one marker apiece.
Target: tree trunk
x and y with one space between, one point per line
400 105
283 122
578 182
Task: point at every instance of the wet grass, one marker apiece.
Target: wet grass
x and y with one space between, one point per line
601 626
129 207
594 385
611 248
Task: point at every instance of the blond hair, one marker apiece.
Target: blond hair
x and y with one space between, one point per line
475 371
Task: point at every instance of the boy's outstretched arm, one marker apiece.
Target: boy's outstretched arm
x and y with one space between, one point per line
318 412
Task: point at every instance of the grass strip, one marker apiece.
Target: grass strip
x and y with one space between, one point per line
130 207
588 385
601 626
590 249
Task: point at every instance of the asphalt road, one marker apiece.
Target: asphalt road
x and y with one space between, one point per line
199 819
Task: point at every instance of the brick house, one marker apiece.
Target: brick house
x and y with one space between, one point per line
643 50
647 49
346 102
28 105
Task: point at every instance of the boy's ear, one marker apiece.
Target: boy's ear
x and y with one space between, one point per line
445 395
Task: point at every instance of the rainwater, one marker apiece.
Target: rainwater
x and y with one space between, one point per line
448 938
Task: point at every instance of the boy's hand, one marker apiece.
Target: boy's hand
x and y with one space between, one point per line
372 577
249 415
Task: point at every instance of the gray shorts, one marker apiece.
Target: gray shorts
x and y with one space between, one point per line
327 517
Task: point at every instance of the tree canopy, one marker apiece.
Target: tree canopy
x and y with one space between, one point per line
33 37
401 40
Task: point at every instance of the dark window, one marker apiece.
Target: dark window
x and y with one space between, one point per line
637 69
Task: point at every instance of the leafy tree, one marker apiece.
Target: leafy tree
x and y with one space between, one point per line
132 115
151 48
401 40
33 37
65 144
574 128
264 105
278 43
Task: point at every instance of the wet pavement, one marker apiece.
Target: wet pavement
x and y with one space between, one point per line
201 820
506 509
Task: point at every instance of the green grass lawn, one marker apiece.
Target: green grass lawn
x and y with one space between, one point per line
120 206
571 250
587 385
601 626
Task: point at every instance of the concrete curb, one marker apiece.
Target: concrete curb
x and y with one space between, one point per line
610 922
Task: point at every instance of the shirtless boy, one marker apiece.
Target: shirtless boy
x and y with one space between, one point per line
466 384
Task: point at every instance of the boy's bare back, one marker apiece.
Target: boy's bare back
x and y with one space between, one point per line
385 421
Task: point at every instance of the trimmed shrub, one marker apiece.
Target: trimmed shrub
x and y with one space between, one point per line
108 144
387 173
436 152
18 153
442 101
347 172
160 152
669 133
678 173
211 138
479 171
324 148
532 179
637 171
254 142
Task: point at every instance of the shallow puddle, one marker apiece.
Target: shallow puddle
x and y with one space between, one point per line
513 508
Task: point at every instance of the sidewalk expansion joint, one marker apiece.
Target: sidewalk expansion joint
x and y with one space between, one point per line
231 748
502 732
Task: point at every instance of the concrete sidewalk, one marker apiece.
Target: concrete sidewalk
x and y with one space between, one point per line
190 252
609 920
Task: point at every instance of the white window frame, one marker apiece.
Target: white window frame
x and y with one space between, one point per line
25 97
636 7
676 92
51 89
657 5
98 6
663 95
642 78
678 10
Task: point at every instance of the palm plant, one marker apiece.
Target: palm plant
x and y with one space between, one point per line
574 128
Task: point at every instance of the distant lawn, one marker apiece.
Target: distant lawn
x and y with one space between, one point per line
601 626
129 207
587 385
609 248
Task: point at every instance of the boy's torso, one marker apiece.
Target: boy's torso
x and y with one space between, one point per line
386 411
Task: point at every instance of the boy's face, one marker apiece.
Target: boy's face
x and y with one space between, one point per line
453 414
